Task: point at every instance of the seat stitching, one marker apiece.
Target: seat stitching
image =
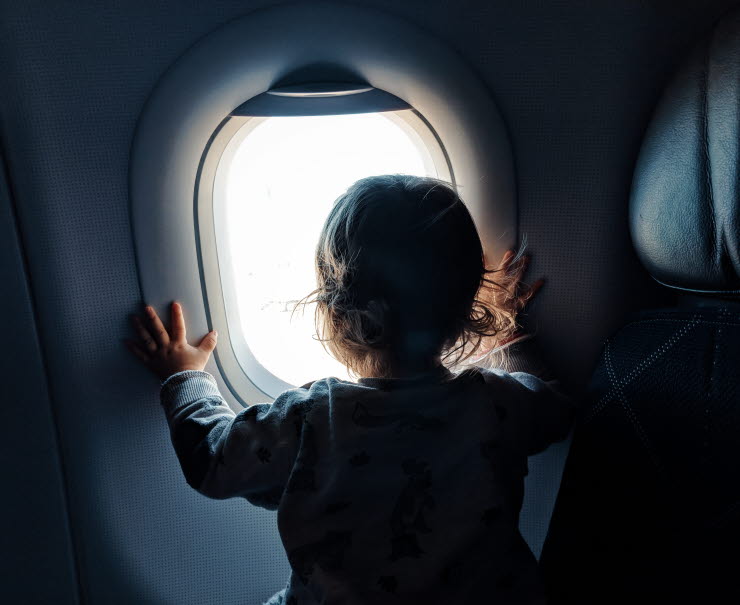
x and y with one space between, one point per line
629 410
640 367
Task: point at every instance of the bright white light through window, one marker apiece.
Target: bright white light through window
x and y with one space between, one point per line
280 185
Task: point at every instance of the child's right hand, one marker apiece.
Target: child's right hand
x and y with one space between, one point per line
509 293
514 294
164 353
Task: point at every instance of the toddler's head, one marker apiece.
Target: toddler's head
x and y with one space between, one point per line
399 265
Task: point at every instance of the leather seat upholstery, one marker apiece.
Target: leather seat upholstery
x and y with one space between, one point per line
684 215
649 505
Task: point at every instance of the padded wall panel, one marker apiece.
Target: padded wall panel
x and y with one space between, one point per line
80 75
575 80
38 564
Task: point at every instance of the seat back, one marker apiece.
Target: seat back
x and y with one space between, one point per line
649 505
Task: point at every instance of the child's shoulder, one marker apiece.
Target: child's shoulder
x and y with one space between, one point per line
314 391
326 383
494 376
515 385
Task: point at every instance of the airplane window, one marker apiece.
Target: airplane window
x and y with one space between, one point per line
276 187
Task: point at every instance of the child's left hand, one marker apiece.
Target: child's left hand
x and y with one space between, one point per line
164 353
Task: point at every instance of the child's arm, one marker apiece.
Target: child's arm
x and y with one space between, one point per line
542 413
222 454
545 414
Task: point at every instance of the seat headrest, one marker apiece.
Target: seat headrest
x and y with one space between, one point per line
685 199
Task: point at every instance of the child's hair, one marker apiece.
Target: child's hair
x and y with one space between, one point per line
399 268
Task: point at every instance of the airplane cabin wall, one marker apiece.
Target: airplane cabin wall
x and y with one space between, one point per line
33 511
95 507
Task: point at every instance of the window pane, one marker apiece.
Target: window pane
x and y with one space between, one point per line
281 184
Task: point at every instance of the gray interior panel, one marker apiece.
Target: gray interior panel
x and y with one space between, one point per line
575 80
33 509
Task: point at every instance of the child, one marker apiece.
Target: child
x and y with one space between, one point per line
406 486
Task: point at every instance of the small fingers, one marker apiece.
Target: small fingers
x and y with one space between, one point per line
208 344
529 293
518 268
506 260
513 265
136 350
535 287
146 338
177 321
157 327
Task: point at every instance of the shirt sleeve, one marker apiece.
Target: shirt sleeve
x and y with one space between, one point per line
535 411
523 355
223 454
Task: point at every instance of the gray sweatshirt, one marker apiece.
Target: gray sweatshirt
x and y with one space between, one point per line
386 490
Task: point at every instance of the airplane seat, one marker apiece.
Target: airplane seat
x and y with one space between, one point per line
649 504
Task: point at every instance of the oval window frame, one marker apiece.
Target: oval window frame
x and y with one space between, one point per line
247 57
